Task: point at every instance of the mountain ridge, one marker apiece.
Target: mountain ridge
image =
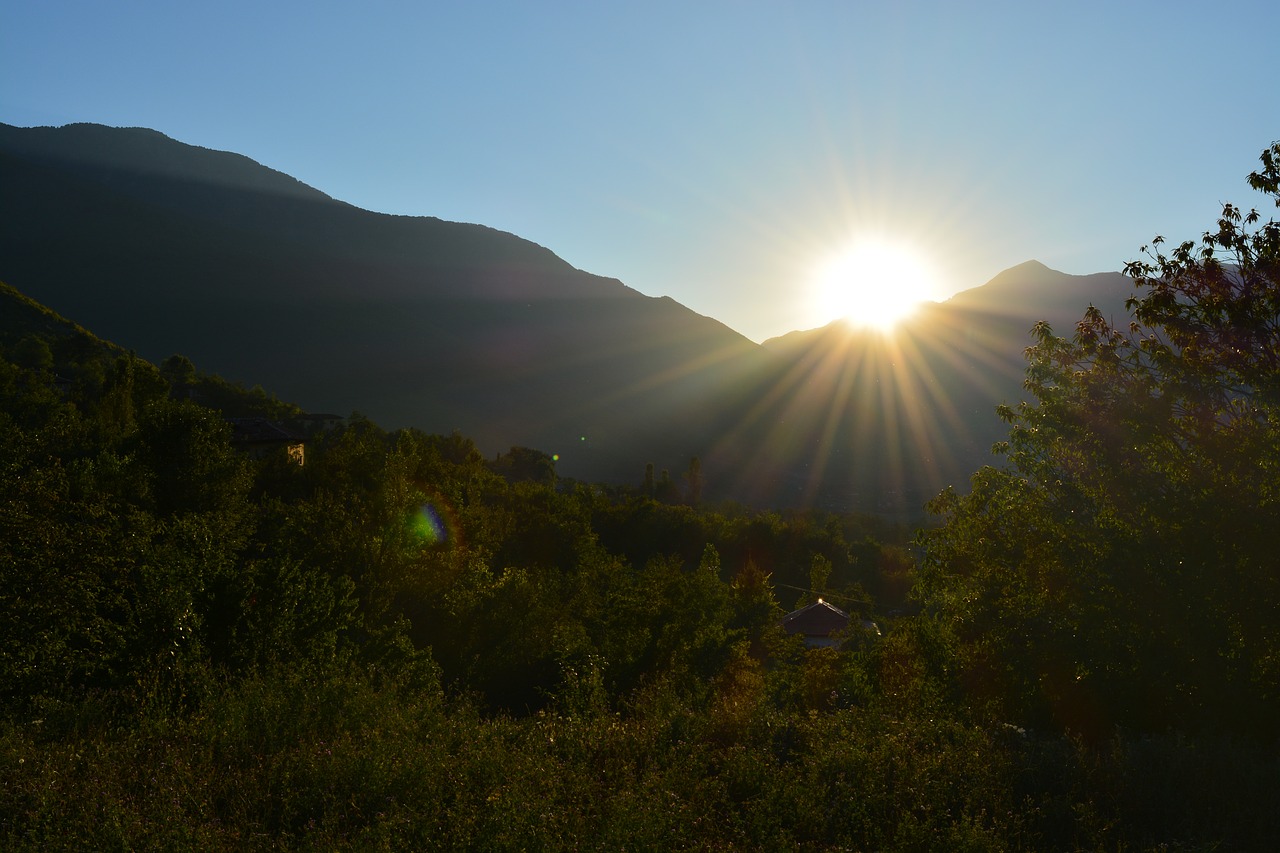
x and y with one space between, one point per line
418 321
413 320
142 149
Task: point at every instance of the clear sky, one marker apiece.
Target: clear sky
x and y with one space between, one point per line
715 152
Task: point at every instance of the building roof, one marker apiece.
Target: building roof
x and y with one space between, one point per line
260 431
819 619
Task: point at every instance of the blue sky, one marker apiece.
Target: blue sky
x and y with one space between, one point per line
714 152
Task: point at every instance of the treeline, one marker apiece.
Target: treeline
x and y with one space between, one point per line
143 540
403 644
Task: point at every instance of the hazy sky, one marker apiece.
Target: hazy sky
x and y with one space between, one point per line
714 152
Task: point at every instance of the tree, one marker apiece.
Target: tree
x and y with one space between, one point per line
33 353
819 574
666 491
694 479
178 370
1120 568
524 464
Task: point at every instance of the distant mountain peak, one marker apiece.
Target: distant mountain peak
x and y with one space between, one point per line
1030 266
1032 291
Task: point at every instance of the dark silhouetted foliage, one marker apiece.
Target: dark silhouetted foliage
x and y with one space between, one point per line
402 644
1121 570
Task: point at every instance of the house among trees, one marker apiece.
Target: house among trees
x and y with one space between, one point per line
259 437
318 422
822 625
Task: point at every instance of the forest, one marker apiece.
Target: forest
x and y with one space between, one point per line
398 642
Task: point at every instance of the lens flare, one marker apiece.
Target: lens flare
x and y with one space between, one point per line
433 523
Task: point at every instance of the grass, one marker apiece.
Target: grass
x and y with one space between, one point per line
334 762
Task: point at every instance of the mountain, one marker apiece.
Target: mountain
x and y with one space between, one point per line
22 319
1032 291
883 423
169 248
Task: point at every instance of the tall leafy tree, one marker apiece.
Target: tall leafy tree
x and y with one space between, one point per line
1121 568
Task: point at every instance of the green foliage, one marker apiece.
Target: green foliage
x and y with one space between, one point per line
1121 570
33 353
819 574
524 464
178 370
332 760
404 645
186 461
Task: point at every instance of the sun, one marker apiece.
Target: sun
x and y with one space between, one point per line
874 283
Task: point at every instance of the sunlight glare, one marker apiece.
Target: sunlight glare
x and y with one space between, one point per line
874 283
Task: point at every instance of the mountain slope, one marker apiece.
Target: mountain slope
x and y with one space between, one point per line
168 248
22 317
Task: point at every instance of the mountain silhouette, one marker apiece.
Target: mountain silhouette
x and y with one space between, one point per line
169 248
165 248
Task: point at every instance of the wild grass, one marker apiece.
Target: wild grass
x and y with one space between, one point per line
337 762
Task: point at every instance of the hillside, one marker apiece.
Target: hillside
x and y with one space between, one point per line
22 316
412 320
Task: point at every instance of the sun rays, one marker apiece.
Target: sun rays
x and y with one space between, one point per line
866 421
874 282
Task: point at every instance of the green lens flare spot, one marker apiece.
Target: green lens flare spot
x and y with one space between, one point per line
428 526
